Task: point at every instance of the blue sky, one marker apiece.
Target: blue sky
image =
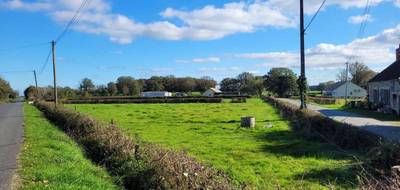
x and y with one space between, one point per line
220 39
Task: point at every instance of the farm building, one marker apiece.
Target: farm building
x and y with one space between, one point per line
211 92
339 89
155 94
384 88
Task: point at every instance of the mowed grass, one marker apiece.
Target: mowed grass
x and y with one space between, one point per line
51 160
263 158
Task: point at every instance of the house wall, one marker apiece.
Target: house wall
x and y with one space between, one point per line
209 93
353 91
155 94
378 92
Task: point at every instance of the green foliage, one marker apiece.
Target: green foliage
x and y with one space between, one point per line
281 81
245 83
51 160
260 158
127 85
136 164
5 90
86 85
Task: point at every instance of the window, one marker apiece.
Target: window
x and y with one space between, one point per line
394 100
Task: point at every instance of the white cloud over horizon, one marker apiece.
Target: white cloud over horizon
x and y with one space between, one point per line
374 50
201 60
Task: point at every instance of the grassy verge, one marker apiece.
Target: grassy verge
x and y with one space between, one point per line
262 158
51 160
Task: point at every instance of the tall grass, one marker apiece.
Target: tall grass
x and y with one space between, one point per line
136 164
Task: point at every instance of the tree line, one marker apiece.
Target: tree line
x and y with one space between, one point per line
6 92
278 81
125 86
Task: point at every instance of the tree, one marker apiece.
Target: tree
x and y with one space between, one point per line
112 88
127 85
30 93
101 90
186 84
205 83
5 89
153 85
246 83
259 85
86 85
281 81
229 85
359 74
323 85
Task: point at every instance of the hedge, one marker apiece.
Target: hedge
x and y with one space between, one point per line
382 154
144 101
135 164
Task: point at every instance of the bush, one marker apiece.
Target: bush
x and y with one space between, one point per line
135 164
315 125
238 100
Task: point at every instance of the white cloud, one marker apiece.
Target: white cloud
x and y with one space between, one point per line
373 50
20 5
397 3
219 69
201 60
311 6
360 18
206 23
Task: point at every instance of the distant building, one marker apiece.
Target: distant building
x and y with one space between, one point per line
384 88
155 94
211 92
338 90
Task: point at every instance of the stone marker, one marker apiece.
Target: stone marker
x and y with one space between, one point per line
248 122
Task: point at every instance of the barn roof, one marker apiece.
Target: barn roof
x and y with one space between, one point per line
390 73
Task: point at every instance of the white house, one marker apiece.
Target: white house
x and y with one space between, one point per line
384 88
211 92
339 89
155 94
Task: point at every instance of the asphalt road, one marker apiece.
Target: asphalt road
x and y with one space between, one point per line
11 136
385 130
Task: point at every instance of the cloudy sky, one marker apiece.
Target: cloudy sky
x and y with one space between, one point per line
220 38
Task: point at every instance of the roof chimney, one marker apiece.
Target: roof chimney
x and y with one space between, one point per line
398 54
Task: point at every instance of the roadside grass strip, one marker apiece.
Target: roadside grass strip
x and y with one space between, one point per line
51 160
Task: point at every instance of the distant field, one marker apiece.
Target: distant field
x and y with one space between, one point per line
51 160
263 158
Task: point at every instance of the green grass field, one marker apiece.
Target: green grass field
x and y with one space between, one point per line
263 158
51 160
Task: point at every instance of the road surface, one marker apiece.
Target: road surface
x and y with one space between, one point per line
11 136
385 130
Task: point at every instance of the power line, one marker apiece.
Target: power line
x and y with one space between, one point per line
315 15
45 62
73 21
363 24
23 47
16 71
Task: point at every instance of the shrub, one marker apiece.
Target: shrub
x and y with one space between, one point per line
315 125
135 164
238 100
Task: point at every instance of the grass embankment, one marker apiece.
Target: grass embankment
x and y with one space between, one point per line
263 157
51 160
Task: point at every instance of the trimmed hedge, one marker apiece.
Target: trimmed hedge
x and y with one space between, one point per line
144 101
135 164
314 125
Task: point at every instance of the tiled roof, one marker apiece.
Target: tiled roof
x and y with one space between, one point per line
390 73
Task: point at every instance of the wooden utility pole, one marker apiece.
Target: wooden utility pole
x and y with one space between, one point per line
36 85
53 49
347 79
302 58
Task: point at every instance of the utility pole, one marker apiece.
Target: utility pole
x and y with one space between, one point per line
53 50
347 79
302 58
36 85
